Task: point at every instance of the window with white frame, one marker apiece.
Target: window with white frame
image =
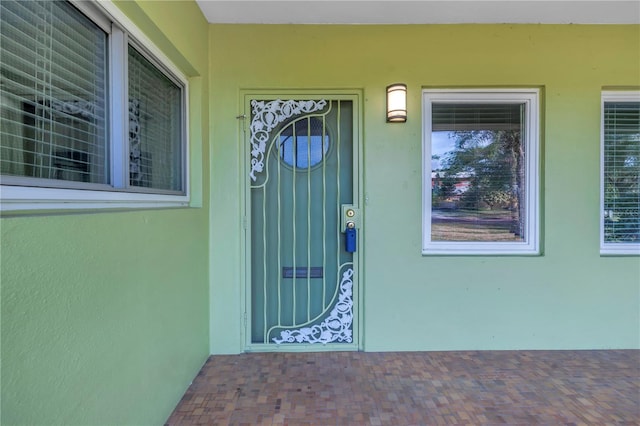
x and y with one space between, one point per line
620 173
481 177
91 113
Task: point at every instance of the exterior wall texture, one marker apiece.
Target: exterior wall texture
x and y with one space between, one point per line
104 314
107 316
570 297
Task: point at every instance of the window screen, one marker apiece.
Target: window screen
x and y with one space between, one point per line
621 168
53 70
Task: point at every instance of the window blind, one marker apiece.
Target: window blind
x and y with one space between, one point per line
622 172
53 65
155 133
463 116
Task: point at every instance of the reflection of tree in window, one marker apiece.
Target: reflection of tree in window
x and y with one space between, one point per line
304 143
479 175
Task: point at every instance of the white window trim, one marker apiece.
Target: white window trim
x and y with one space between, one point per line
15 197
531 245
613 248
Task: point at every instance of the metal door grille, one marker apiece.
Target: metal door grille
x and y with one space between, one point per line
301 172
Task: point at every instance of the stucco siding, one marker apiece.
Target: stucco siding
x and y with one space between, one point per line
569 297
105 314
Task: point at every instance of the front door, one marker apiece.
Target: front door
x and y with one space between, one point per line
302 196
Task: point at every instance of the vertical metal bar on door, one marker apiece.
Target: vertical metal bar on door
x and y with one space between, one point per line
324 213
264 257
279 253
295 266
308 218
338 205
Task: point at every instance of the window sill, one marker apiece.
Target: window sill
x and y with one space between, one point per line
620 250
480 249
15 199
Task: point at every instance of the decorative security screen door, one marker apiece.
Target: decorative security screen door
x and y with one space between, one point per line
302 278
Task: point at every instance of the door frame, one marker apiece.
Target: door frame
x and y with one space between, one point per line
246 95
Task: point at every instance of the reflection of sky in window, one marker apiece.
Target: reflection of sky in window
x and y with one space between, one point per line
309 152
441 143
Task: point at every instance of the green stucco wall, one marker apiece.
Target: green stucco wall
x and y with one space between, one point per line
105 314
569 297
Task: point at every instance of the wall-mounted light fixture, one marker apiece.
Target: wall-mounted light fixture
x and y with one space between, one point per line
397 103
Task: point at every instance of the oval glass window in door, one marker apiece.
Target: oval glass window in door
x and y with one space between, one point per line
304 143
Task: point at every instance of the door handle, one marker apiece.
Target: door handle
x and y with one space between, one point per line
350 237
350 223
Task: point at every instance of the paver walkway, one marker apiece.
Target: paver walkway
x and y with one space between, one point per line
416 388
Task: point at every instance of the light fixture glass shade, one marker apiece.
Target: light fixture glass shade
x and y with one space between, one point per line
397 103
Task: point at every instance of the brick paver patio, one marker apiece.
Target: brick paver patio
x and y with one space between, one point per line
416 388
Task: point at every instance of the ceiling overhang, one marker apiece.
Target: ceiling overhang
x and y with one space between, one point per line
421 11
